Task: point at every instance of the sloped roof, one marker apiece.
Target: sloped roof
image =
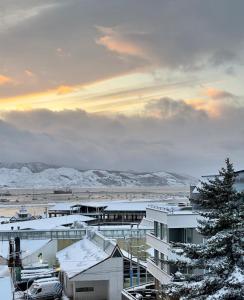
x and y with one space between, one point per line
80 257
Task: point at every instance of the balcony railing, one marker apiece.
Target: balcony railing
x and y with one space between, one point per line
157 272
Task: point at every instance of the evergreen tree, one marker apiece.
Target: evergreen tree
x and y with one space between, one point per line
217 265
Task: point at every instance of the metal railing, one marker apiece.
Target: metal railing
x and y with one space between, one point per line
43 234
78 233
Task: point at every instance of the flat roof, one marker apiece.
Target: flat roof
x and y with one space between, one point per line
174 210
62 206
135 204
46 223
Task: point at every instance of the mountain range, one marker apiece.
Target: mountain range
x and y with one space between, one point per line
40 175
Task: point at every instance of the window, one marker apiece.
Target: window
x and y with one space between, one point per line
155 228
156 256
161 261
84 289
163 232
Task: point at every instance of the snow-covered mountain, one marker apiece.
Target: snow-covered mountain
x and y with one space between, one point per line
38 175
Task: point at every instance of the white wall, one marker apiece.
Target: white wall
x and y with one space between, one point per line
157 244
157 273
156 215
110 270
100 290
183 220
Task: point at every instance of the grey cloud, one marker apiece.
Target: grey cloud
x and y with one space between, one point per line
170 108
196 144
179 35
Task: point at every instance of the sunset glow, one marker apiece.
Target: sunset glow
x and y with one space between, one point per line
122 84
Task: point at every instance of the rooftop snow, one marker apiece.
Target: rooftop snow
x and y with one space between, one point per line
62 206
80 256
134 205
46 223
4 219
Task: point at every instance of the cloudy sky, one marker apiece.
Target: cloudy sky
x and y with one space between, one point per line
131 85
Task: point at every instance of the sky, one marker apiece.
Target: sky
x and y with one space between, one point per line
123 85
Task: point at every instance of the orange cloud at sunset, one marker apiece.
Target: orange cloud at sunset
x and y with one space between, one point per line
64 89
115 42
5 80
214 93
212 108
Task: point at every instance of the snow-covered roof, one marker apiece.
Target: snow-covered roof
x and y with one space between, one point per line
46 223
127 206
4 219
63 206
116 205
165 208
80 256
28 247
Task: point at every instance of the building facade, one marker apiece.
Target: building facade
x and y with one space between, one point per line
170 226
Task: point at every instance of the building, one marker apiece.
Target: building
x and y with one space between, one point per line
124 212
170 225
92 269
91 209
106 213
239 183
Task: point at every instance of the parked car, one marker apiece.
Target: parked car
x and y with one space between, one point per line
44 289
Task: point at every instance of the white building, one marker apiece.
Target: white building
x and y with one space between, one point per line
170 225
92 269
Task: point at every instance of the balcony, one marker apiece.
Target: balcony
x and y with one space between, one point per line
156 243
157 213
143 292
157 272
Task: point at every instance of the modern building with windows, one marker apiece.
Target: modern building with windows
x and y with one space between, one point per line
171 225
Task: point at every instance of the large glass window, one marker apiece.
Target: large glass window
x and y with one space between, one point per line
157 229
160 231
183 235
156 256
163 232
162 261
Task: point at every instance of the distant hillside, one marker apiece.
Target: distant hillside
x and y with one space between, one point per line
39 175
